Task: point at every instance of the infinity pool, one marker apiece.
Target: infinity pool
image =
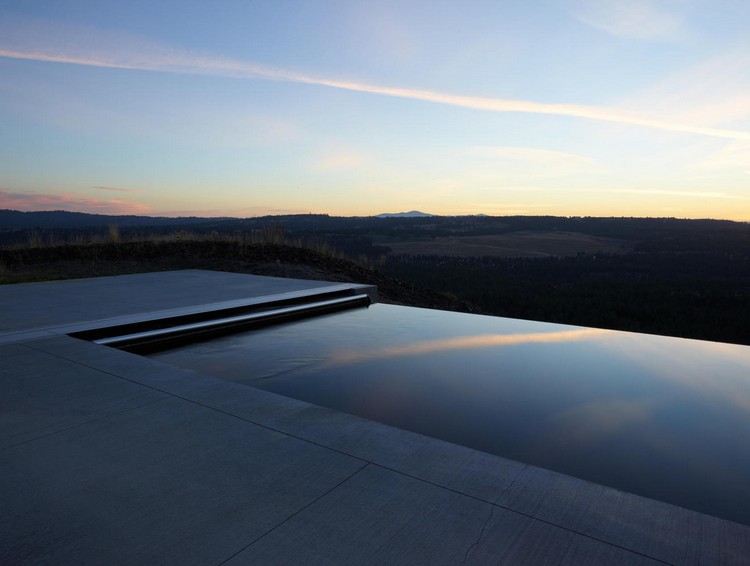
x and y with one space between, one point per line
661 417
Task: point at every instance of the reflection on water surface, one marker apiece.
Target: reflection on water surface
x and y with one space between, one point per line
661 417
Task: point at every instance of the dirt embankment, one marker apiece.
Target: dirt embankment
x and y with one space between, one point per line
275 260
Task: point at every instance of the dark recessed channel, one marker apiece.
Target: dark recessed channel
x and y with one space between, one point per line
661 417
168 332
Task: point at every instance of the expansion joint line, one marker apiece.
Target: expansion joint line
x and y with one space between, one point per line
297 512
364 461
199 404
83 423
527 515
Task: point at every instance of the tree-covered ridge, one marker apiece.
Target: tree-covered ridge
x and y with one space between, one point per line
647 234
690 294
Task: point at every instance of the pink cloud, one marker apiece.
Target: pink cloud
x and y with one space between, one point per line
29 202
238 212
114 189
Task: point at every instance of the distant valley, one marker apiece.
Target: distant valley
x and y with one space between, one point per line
688 278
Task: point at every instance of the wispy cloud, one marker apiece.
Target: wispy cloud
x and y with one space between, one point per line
64 201
715 91
234 212
693 194
124 53
509 165
643 192
573 426
530 154
731 157
114 189
472 343
339 160
637 19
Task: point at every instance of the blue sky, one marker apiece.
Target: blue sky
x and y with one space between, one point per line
567 107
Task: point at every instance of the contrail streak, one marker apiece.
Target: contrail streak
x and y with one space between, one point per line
186 63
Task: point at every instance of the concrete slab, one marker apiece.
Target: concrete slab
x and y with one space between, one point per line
43 394
171 482
54 303
645 527
456 467
381 517
113 458
666 532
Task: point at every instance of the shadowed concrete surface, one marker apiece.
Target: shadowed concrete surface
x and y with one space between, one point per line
111 458
35 305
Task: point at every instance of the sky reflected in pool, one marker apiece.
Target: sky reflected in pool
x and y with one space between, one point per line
661 417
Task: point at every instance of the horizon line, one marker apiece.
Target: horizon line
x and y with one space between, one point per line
382 215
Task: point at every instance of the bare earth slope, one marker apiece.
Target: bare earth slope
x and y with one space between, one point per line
278 260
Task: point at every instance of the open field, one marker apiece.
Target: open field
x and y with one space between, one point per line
514 244
688 278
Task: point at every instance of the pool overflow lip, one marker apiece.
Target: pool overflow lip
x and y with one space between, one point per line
158 334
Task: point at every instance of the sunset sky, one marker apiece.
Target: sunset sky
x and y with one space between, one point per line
239 108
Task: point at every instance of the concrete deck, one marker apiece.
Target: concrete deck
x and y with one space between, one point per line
107 457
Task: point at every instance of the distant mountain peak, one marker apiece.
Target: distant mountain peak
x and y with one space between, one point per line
410 214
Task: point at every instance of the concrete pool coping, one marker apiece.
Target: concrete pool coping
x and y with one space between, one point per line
110 457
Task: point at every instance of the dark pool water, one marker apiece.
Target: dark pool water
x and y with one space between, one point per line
661 417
